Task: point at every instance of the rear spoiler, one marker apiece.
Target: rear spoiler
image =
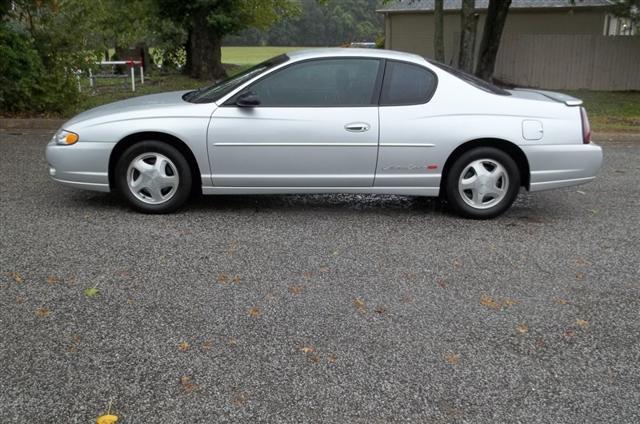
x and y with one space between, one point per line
558 97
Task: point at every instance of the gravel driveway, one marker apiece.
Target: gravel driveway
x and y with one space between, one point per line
324 308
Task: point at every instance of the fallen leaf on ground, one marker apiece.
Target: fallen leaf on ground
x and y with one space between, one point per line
360 306
16 277
380 310
307 349
52 280
314 358
569 332
223 278
232 341
187 384
332 359
560 301
453 358
580 275
323 269
236 279
207 345
91 291
307 275
582 323
184 346
522 328
489 302
232 248
496 304
107 419
239 399
43 312
255 312
457 263
295 289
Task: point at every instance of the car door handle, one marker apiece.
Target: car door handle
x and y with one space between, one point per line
357 127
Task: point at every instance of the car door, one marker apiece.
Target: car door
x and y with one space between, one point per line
316 125
407 127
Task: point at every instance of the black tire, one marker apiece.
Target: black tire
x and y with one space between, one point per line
179 166
462 207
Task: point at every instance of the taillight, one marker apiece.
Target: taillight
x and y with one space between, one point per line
586 127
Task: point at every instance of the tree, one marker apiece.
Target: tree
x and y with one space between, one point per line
494 24
468 26
438 37
628 9
207 22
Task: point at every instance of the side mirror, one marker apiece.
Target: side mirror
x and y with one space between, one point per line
248 99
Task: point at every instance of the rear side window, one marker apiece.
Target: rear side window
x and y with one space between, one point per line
406 84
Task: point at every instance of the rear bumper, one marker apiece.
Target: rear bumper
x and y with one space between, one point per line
555 166
83 165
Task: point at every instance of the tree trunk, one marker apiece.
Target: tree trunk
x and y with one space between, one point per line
493 26
468 25
438 38
188 53
206 52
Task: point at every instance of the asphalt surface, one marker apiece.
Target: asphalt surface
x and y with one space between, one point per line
324 308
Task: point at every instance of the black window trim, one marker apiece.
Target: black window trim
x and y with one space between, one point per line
427 100
375 97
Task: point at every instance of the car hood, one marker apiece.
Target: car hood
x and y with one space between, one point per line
153 104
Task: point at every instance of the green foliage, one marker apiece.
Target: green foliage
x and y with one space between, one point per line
26 83
227 16
320 23
628 9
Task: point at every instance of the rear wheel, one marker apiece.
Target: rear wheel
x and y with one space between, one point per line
482 183
154 177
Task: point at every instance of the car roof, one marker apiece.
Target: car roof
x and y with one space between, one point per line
352 52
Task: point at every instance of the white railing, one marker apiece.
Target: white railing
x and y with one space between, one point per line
132 64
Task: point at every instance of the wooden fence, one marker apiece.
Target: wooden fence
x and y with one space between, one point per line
570 61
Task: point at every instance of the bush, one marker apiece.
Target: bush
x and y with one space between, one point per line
26 85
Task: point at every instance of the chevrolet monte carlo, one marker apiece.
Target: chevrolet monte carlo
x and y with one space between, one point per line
332 121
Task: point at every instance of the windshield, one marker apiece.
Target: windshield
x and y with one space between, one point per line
471 79
227 85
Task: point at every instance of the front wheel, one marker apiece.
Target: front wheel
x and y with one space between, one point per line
154 177
482 183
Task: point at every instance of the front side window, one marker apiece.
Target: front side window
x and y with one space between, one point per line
406 84
224 87
320 83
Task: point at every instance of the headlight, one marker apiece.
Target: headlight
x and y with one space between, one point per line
65 137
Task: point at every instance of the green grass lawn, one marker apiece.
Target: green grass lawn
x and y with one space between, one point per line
252 55
611 111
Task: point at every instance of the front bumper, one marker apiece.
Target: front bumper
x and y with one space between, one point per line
555 166
82 165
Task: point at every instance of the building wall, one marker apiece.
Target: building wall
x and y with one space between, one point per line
413 32
559 49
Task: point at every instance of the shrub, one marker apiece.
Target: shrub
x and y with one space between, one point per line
26 85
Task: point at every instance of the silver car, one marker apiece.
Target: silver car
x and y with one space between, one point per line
332 121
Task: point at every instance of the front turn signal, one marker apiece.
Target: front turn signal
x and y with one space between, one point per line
66 137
